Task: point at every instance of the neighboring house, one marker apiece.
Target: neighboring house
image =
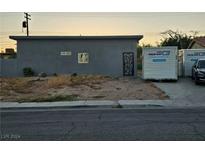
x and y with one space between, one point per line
103 55
9 50
8 54
197 43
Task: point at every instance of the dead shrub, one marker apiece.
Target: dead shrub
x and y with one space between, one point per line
87 79
59 81
19 85
67 80
49 98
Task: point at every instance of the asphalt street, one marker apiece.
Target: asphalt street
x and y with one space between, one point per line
103 124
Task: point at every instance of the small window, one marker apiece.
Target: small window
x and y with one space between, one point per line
83 58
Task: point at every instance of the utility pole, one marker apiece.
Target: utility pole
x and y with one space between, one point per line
27 18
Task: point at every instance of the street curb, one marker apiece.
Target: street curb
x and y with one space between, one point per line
98 104
71 104
86 103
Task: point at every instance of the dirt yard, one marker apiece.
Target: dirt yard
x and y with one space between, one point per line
81 87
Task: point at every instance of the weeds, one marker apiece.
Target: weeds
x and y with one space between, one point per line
59 81
19 85
56 82
98 96
51 98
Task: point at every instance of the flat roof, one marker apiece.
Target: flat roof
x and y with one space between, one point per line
111 37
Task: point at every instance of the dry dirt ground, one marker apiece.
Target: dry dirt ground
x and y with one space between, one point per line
81 87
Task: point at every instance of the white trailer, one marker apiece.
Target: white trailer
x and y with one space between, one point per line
189 58
160 63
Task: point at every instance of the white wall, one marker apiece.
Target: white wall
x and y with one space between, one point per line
160 63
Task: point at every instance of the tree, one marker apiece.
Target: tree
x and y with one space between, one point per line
139 54
139 49
177 38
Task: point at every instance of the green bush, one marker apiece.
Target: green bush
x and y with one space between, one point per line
27 71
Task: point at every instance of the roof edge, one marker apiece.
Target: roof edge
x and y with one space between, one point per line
136 37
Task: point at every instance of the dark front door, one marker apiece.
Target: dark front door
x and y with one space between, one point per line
128 63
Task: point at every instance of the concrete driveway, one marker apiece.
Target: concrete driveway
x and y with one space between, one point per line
184 92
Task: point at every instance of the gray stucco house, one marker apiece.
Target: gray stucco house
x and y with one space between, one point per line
104 55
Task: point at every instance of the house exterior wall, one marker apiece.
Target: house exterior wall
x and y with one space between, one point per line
105 56
8 67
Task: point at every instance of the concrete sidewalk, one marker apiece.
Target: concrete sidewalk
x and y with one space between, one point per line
90 103
104 104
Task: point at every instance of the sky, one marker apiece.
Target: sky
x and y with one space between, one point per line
150 25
